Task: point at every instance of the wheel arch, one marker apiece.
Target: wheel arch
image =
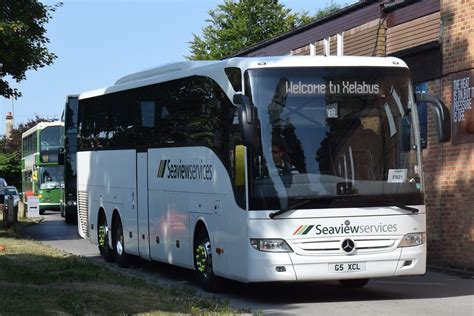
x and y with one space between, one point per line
208 280
115 218
101 216
198 227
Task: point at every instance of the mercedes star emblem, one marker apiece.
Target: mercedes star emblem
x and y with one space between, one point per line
348 246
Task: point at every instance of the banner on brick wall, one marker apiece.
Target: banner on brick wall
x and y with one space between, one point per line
462 111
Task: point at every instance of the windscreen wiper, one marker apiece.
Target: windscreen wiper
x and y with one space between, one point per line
306 201
309 200
290 208
402 206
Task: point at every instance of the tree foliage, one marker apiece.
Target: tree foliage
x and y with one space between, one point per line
10 151
236 25
327 11
23 40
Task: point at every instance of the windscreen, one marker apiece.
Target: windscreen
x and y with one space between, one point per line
51 138
10 191
51 177
335 137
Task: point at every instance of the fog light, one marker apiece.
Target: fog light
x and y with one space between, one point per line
407 263
412 239
270 245
280 269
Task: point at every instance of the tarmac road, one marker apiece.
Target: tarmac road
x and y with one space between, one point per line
432 294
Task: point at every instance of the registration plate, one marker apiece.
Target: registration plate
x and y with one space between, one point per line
347 267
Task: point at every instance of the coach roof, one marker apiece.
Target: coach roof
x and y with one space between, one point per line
251 62
41 125
215 69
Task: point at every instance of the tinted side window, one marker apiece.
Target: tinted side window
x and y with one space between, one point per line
198 114
71 115
86 123
29 144
108 122
34 142
117 129
192 111
234 75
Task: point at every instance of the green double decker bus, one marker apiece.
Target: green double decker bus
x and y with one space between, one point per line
42 175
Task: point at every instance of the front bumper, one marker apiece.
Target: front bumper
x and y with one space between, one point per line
268 267
50 206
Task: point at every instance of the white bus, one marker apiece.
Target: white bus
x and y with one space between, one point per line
258 169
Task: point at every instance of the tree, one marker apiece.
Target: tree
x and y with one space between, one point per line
22 40
238 25
10 152
327 11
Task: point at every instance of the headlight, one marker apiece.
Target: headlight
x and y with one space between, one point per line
270 245
412 239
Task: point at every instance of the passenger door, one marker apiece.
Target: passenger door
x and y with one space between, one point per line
142 205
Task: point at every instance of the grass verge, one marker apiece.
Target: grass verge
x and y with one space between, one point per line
37 279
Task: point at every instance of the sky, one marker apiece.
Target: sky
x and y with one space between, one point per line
99 41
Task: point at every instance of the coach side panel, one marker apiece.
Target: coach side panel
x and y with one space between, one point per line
107 180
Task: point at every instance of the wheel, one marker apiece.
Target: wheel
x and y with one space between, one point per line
120 256
103 238
354 283
203 263
42 212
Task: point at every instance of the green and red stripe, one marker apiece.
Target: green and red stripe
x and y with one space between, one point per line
303 230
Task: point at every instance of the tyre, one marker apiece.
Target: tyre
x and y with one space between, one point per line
355 283
42 212
120 256
203 263
103 239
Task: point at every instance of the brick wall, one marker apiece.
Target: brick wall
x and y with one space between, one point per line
449 169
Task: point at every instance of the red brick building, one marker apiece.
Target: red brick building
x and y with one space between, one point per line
436 39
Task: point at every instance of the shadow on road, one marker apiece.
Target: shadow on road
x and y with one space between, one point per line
377 289
431 286
53 227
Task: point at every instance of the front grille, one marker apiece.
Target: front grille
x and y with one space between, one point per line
83 208
332 246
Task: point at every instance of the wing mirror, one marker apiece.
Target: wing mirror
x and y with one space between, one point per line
442 117
61 156
247 119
